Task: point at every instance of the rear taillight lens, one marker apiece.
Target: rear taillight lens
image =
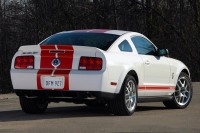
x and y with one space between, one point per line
90 63
24 62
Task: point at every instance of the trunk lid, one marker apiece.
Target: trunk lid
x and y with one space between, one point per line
61 57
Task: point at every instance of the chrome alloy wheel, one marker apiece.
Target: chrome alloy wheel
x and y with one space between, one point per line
130 95
183 91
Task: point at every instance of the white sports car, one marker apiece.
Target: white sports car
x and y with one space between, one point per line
112 68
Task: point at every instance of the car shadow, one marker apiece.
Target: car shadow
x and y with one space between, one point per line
149 108
54 112
66 112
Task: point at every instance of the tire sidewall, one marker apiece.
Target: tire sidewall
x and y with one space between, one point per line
33 106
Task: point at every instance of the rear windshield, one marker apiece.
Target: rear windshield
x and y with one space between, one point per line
100 40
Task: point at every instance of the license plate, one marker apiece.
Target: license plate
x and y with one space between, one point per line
53 82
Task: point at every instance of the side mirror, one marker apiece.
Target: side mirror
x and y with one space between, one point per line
163 52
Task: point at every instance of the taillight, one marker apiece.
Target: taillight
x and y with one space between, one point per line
24 62
90 63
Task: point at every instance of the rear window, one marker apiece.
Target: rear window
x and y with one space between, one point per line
100 40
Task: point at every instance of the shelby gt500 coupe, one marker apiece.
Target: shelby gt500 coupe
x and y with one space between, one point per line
112 68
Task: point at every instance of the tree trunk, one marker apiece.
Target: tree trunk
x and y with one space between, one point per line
197 14
1 43
115 15
196 7
149 17
96 5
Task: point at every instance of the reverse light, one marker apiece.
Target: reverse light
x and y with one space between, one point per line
90 63
24 62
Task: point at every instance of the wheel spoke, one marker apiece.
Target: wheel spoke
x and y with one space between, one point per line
179 100
132 102
179 81
179 88
127 89
129 104
127 101
185 96
185 92
182 99
129 86
186 86
183 84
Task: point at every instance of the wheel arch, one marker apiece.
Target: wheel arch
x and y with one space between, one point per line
131 72
186 71
182 69
134 74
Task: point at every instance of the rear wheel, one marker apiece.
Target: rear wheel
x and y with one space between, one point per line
126 101
33 105
183 93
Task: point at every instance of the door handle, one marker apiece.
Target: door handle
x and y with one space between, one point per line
147 62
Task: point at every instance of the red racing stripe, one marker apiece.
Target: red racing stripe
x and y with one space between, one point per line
46 56
46 67
66 58
45 62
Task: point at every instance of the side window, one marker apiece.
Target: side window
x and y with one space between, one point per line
125 46
143 46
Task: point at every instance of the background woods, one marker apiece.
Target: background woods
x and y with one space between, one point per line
172 24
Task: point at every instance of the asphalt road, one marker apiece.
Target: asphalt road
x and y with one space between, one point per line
72 118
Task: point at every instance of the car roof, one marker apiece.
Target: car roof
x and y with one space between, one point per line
106 31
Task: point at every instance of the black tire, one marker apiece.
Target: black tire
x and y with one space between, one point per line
118 106
174 103
33 105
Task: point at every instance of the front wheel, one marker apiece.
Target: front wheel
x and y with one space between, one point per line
126 101
33 105
183 93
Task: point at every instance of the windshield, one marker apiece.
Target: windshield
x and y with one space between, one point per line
100 40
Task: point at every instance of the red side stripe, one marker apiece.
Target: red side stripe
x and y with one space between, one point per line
151 87
141 87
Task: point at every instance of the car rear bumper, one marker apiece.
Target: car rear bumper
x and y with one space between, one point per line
69 96
88 81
